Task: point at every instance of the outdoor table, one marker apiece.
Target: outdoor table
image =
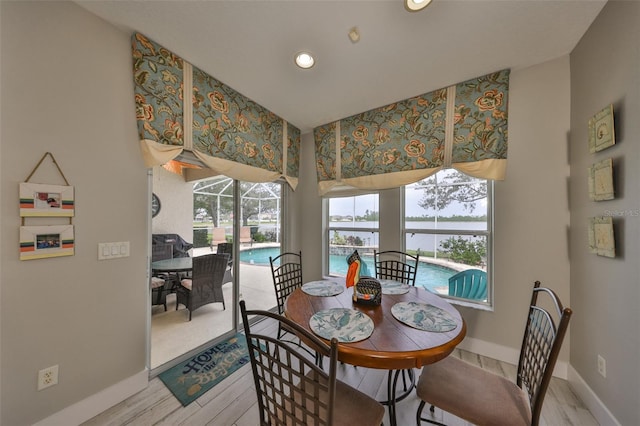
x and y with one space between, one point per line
177 264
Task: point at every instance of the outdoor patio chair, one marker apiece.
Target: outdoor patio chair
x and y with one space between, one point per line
245 235
205 285
161 284
469 284
227 248
218 236
292 390
482 397
396 265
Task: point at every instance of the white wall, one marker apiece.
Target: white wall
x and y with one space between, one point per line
605 292
176 199
531 216
67 88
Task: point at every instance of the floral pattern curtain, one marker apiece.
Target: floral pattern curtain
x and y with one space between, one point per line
229 133
462 126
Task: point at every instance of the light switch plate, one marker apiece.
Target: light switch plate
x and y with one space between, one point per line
113 250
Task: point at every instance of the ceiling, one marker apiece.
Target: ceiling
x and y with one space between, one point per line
249 45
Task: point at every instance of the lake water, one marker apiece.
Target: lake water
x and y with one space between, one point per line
420 242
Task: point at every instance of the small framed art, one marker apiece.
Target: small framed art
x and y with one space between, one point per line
38 199
601 130
38 242
601 239
601 181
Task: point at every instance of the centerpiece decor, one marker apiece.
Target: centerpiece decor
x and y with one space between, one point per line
366 290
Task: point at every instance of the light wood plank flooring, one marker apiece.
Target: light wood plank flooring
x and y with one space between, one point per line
233 402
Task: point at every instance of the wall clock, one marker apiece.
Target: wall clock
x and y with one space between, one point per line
155 205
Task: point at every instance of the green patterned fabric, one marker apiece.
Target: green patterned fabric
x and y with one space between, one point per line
480 120
158 92
407 141
228 125
229 132
407 135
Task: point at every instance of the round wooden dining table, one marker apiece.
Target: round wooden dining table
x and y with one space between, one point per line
393 345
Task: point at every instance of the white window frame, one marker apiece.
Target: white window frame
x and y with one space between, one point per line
488 233
328 230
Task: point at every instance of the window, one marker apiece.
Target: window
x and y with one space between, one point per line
353 224
448 221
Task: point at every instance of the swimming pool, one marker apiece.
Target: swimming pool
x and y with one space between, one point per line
429 276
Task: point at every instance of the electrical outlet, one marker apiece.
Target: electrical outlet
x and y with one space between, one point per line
47 377
602 366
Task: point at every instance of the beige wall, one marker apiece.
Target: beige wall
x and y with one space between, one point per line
67 88
605 293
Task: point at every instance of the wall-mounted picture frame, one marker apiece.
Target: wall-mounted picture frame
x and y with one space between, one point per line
601 181
39 242
601 239
601 130
37 199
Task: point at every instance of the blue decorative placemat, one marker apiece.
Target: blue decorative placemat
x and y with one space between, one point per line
323 288
393 287
423 316
346 325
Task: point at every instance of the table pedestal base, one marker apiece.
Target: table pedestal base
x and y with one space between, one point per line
392 383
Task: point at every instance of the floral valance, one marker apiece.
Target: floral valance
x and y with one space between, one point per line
229 133
463 126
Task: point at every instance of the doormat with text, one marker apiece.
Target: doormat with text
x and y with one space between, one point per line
193 377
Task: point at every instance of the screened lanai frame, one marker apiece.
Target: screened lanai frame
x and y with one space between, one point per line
222 187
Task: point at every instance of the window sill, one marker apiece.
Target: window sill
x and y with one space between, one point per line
469 304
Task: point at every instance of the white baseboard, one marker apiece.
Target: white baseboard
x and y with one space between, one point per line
590 399
99 402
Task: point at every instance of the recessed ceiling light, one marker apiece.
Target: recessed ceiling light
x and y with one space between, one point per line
304 60
415 5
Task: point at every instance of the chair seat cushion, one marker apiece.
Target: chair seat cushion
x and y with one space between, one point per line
351 407
186 283
157 282
489 399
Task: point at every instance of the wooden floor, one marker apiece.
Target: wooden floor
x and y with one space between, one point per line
233 402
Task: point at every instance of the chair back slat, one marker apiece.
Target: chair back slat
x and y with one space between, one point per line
396 265
543 336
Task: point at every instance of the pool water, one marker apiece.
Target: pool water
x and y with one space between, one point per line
429 276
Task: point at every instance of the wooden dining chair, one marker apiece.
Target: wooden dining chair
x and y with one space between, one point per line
205 284
286 270
396 265
402 267
292 389
482 397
